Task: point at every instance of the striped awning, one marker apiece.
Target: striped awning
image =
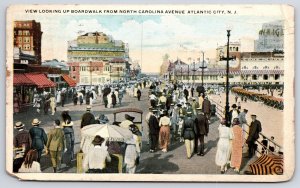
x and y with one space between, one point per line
40 80
69 81
21 80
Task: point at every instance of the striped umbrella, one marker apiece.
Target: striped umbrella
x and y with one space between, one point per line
267 165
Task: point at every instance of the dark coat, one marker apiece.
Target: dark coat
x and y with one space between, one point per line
113 99
38 137
153 125
206 106
87 119
188 128
138 93
201 124
186 92
23 138
254 130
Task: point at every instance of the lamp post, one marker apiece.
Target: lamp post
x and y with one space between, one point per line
181 72
227 82
202 67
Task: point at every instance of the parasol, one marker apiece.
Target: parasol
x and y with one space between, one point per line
267 165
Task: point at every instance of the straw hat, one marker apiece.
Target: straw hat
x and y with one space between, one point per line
35 122
19 125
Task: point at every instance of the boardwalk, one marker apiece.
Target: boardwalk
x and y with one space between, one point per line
174 161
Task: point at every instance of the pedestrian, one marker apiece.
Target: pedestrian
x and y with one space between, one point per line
244 124
92 97
87 118
113 99
120 96
206 108
52 104
16 103
174 121
195 105
58 96
192 91
139 93
105 100
68 155
147 121
63 98
153 131
237 145
162 100
133 150
87 98
153 99
188 133
38 137
80 96
75 98
223 147
46 103
95 160
186 93
22 143
127 122
202 130
234 113
254 130
236 98
164 132
56 145
31 163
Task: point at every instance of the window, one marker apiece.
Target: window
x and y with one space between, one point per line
255 67
26 32
277 76
26 40
74 69
266 77
20 39
237 49
26 47
74 77
266 67
254 77
277 67
245 67
20 32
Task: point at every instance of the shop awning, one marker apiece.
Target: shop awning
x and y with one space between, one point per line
40 80
70 81
21 80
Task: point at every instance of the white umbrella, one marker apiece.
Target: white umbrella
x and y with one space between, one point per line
109 132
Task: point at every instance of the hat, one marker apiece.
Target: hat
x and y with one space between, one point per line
135 130
128 117
234 106
245 110
198 108
98 140
88 108
154 110
19 125
36 121
179 105
254 115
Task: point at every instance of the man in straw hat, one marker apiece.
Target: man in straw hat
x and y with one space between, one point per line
96 158
38 137
87 118
22 144
202 130
56 145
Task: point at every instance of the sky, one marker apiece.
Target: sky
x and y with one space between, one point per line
149 36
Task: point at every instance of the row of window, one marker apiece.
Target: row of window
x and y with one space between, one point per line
86 80
215 77
25 46
24 39
265 67
23 32
261 59
96 68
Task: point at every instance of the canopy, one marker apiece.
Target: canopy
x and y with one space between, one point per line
21 79
70 81
40 80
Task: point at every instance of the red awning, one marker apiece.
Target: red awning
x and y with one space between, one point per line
40 80
70 81
21 80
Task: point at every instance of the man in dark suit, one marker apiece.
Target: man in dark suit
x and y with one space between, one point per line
254 130
206 107
153 131
202 130
39 138
88 118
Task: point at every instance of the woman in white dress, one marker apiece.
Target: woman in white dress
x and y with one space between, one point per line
224 146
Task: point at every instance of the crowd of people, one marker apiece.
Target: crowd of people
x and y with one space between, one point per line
178 113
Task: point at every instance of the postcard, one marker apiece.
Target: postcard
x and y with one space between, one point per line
150 93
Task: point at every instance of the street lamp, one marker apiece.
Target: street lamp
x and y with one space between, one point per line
202 67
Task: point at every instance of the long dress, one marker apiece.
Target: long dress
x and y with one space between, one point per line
237 146
224 147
